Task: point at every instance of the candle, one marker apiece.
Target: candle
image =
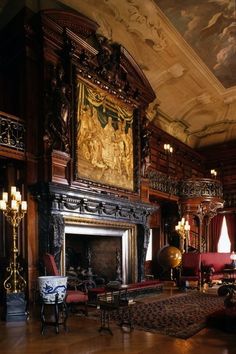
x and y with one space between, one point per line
23 206
3 205
14 205
18 196
13 190
5 196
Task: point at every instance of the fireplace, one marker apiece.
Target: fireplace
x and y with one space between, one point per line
68 215
105 249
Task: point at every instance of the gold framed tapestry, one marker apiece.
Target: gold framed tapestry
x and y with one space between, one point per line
104 139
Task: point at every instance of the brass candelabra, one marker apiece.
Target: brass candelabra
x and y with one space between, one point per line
183 229
14 211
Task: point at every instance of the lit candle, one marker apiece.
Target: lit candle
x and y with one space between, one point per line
5 196
18 196
182 221
13 190
3 205
23 206
187 227
14 205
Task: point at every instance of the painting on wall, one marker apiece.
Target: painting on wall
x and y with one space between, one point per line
209 26
104 139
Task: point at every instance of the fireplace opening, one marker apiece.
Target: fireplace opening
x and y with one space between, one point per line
99 250
95 257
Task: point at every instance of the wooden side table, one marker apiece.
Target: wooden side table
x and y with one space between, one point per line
56 317
115 301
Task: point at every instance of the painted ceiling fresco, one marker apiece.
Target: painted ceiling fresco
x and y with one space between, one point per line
209 27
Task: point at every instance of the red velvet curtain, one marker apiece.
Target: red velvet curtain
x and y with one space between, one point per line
231 226
215 229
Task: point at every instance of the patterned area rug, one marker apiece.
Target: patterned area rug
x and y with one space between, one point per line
180 316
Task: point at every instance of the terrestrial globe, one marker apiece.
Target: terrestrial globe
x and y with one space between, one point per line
169 257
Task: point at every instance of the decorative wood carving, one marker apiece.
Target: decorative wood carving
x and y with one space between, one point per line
57 112
56 236
145 146
104 63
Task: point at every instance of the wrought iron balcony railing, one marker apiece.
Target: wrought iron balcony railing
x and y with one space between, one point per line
189 188
12 132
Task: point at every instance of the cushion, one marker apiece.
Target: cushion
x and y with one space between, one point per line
76 296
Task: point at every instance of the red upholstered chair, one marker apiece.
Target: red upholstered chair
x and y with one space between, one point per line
190 270
74 296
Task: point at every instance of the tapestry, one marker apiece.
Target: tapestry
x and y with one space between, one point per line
179 316
104 139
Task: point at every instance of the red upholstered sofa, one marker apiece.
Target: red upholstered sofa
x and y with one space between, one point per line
205 267
213 265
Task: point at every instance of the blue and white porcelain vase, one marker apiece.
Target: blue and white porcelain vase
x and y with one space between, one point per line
52 286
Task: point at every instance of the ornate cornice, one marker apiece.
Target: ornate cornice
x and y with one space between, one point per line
136 18
72 202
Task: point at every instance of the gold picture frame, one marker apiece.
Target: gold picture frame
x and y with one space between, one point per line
104 139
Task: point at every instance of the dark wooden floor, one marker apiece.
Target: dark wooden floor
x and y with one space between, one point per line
83 337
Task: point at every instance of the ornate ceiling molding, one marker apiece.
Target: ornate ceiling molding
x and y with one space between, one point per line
138 18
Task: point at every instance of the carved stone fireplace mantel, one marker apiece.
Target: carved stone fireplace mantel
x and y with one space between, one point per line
58 205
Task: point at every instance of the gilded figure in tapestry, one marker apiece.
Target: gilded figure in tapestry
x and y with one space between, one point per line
104 139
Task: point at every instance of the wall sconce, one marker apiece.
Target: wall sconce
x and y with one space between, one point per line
168 148
183 229
14 210
213 173
233 259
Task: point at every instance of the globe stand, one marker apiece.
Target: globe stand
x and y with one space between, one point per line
170 258
171 274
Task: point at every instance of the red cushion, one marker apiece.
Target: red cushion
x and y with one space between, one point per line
97 290
76 296
143 284
218 260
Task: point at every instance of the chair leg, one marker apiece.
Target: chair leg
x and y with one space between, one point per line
86 308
